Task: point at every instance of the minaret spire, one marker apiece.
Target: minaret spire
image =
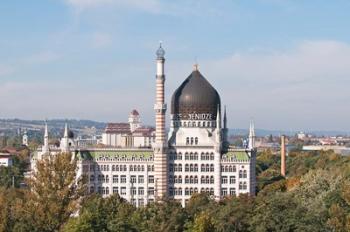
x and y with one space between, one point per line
251 144
65 145
161 144
225 130
46 139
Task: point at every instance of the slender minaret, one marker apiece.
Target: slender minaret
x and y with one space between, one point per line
65 145
160 146
251 143
283 156
225 130
218 126
45 148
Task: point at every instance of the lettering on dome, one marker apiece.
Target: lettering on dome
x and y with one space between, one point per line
193 116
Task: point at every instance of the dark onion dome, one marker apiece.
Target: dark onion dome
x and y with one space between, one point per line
134 112
195 96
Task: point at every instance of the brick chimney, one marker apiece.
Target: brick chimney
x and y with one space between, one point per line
283 156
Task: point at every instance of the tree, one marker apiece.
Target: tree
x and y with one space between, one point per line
112 213
54 192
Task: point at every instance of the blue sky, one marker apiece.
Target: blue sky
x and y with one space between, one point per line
286 64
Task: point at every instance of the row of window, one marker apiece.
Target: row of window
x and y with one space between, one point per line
191 179
191 141
123 158
117 168
194 124
191 156
191 167
189 191
123 179
122 190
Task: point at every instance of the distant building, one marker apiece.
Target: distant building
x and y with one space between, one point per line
6 159
130 134
25 138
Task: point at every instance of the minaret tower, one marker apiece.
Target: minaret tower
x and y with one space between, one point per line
65 147
225 130
45 148
160 147
251 143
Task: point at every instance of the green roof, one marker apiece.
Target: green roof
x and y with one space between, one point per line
242 156
114 154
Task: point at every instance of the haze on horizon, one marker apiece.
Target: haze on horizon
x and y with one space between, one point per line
283 63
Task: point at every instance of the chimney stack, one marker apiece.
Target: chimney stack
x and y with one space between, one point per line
283 156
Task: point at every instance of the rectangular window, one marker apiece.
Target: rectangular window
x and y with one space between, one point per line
132 179
115 190
141 179
141 202
232 179
133 191
115 178
224 191
151 179
92 178
141 191
232 191
224 179
122 179
123 190
151 191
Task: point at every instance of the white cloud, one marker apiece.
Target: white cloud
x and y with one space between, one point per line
146 5
304 87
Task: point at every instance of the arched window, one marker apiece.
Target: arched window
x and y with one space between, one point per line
211 191
196 168
191 156
202 168
211 179
207 156
207 169
240 174
179 191
211 167
179 168
187 140
131 168
202 179
195 157
211 156
196 140
179 179
191 167
240 185
171 167
187 180
195 179
187 192
187 168
245 174
207 180
191 140
191 180
186 156
202 156
195 190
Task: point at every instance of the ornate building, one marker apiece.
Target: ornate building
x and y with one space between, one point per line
194 157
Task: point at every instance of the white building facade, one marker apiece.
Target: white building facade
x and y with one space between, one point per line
195 156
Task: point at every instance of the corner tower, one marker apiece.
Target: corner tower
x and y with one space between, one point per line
160 146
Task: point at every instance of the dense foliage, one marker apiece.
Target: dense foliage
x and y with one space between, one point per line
315 196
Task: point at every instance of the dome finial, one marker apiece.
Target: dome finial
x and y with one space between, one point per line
160 52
